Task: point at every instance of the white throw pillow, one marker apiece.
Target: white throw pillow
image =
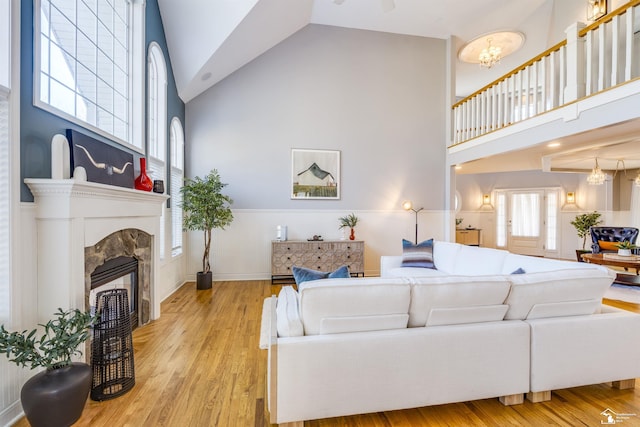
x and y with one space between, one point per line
288 323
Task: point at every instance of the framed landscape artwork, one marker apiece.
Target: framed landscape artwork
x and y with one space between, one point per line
315 174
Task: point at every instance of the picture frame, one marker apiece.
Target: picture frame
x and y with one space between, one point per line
315 174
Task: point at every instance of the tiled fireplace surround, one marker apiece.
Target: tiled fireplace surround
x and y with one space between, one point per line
80 225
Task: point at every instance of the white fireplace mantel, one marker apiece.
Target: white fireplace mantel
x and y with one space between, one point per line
72 214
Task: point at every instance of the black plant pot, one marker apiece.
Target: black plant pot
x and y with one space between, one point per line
203 280
56 398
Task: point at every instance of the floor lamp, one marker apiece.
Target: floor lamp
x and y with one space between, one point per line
408 206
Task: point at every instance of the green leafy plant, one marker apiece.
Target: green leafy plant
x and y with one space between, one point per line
206 208
56 345
348 221
584 222
626 245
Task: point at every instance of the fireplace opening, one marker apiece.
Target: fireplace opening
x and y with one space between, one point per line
117 273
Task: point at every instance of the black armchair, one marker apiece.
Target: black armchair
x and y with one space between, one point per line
613 235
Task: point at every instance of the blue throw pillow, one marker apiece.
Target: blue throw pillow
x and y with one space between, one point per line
420 255
518 271
301 274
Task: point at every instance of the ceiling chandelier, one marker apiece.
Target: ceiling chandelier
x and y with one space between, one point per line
489 49
490 55
596 177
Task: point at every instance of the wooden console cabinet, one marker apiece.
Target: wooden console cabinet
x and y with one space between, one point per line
324 255
469 237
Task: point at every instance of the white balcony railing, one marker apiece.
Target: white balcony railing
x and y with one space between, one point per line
592 59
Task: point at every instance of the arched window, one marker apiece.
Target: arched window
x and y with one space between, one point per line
157 123
177 180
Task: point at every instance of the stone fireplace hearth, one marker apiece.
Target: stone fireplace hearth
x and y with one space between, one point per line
80 225
124 243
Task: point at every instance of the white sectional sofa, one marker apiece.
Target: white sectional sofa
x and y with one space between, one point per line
468 330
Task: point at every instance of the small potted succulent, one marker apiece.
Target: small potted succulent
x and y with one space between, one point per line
57 395
349 221
625 247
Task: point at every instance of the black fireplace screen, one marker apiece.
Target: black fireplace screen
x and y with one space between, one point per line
112 346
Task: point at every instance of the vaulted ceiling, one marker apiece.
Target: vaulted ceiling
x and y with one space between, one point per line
210 39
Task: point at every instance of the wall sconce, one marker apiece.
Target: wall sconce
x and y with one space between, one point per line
486 199
408 206
571 198
596 9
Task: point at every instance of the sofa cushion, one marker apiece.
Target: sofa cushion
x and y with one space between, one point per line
419 255
302 274
569 292
608 246
457 299
445 255
288 317
475 261
353 305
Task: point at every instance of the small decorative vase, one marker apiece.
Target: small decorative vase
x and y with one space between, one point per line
143 182
352 236
624 252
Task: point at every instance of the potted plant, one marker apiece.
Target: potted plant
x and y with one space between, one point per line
57 395
349 221
205 208
625 247
582 224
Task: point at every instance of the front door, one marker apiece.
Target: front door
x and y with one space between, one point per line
525 233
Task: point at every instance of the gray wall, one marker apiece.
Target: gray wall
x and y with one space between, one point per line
378 98
38 126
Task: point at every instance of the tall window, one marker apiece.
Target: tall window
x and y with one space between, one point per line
84 52
5 163
157 123
177 180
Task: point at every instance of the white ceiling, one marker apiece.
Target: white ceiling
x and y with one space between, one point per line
210 39
220 36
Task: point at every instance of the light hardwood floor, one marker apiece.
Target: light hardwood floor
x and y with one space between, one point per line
199 365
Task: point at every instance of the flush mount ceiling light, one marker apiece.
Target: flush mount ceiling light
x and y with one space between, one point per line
488 49
596 177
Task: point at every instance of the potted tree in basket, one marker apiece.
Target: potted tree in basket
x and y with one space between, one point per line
205 208
582 224
57 395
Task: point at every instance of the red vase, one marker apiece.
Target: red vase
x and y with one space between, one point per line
352 236
143 182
